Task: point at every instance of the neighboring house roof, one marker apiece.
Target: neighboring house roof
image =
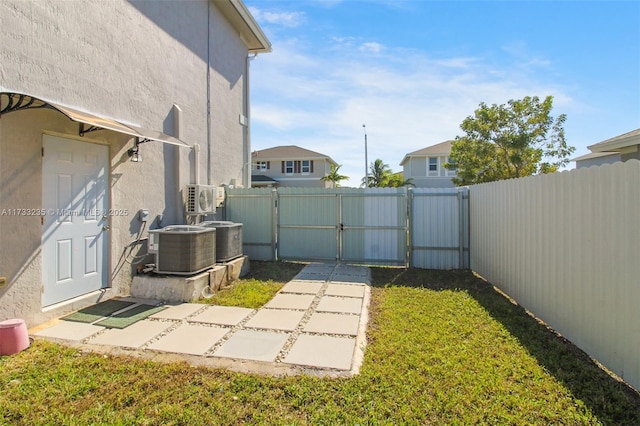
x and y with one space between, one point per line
240 18
616 143
593 155
289 152
442 148
262 179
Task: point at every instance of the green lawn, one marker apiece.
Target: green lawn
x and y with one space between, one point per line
443 348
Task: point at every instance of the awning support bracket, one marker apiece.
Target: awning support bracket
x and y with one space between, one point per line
19 102
82 129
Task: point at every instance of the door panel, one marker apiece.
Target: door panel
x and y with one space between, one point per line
74 196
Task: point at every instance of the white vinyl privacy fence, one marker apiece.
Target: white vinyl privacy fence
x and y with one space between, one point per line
566 246
424 228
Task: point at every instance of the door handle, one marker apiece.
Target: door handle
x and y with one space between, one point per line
106 228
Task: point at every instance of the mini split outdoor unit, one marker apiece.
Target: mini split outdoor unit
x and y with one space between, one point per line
228 239
201 199
183 249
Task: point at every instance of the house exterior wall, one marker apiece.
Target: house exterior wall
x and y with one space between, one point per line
598 161
417 169
130 61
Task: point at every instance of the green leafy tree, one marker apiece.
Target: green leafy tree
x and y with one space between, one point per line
381 176
397 181
334 176
514 140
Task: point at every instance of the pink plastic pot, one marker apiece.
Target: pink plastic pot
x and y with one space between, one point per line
13 336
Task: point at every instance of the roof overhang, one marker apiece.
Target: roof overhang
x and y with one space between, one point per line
240 18
617 143
12 102
593 155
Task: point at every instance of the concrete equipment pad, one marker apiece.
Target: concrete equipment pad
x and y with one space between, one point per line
179 312
322 351
302 287
254 345
69 330
133 336
330 323
222 315
276 319
346 290
189 339
350 305
290 301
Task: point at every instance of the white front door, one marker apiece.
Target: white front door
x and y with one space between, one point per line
74 233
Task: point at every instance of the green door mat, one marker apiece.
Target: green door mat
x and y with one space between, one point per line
130 316
95 312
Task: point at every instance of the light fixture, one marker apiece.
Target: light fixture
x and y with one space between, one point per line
134 152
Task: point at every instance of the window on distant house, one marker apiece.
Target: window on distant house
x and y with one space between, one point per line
451 171
433 166
288 169
306 167
262 166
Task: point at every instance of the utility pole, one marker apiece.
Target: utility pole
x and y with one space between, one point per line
366 160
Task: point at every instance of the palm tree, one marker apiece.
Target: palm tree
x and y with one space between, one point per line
379 174
334 177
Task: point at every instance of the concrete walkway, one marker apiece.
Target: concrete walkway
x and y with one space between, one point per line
314 325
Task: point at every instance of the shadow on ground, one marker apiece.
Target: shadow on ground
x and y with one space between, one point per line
612 401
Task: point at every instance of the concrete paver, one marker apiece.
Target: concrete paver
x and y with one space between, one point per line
69 330
254 345
179 312
291 301
331 323
312 275
349 279
346 290
189 339
133 336
302 287
222 315
275 319
290 329
350 305
322 351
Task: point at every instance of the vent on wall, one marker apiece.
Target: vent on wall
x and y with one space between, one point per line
201 199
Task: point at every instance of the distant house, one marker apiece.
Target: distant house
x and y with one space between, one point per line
620 148
425 167
290 165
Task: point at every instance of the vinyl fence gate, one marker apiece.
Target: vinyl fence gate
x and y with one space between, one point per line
376 226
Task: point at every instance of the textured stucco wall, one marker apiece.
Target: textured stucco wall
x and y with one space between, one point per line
130 61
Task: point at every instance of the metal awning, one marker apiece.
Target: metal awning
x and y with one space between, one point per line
11 102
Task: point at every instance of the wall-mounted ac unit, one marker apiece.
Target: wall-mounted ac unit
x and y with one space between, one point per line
201 199
183 249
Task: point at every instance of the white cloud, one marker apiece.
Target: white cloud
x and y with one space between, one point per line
319 99
371 47
285 19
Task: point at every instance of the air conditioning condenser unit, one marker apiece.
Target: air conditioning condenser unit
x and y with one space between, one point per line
183 249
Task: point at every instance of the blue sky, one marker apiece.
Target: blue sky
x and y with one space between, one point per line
413 70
